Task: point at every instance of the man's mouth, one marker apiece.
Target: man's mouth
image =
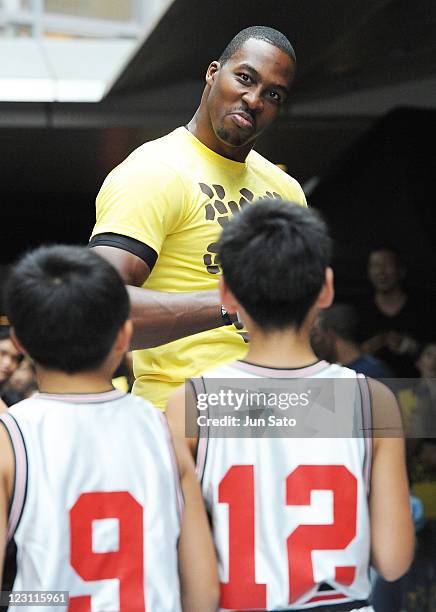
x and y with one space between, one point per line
243 120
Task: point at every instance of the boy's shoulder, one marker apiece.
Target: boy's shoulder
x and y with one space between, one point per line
23 407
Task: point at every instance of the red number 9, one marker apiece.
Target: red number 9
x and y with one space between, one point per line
126 564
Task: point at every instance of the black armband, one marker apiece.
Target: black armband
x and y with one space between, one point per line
125 243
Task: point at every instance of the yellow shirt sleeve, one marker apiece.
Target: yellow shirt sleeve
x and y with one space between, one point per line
296 193
142 199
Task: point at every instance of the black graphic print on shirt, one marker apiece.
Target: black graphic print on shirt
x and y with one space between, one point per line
219 211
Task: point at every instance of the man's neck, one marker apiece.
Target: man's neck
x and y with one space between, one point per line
51 381
201 128
391 302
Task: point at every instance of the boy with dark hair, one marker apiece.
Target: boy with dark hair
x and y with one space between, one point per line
294 521
87 471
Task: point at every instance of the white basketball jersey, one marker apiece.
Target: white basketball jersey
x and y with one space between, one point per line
289 515
98 512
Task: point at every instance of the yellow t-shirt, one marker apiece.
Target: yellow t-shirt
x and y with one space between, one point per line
174 194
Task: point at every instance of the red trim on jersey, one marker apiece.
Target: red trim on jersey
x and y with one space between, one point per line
337 596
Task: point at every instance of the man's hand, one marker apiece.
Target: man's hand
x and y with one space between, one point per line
159 317
401 343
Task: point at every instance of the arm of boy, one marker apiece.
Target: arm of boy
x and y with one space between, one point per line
7 477
197 561
181 414
392 532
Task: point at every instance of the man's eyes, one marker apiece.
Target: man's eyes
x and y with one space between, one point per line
275 96
246 78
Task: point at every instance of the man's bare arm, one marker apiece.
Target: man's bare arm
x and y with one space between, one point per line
160 317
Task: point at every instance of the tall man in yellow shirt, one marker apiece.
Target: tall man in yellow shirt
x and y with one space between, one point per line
160 212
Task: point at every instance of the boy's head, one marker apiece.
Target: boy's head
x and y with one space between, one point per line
275 257
67 306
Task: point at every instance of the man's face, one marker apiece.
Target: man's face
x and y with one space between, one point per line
9 359
384 271
247 92
23 377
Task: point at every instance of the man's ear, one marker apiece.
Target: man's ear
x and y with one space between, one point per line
327 293
227 298
16 342
211 72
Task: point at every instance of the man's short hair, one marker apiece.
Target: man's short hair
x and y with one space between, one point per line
270 35
389 249
274 255
342 319
66 305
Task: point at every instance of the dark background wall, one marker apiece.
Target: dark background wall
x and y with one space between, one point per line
381 192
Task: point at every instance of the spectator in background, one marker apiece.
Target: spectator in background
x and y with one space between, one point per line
10 359
392 322
23 381
334 338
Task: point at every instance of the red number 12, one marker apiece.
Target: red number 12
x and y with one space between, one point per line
237 490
